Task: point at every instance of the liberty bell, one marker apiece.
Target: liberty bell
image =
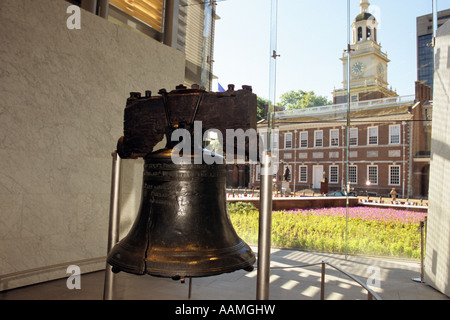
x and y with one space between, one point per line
182 228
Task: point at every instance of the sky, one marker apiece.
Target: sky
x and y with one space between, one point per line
311 37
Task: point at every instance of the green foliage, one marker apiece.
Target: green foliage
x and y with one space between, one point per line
261 108
328 233
301 99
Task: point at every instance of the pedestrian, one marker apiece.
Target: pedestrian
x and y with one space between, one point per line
393 194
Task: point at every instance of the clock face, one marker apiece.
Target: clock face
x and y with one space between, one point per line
358 68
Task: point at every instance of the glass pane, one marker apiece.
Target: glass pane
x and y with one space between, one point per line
357 89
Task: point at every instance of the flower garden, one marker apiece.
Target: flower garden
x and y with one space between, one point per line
370 231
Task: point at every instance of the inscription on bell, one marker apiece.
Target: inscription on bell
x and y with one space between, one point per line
192 174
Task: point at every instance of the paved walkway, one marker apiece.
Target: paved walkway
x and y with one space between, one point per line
390 279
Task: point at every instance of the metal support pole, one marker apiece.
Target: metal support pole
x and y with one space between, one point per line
349 50
102 8
435 20
322 283
114 218
267 171
265 226
89 5
422 243
171 23
190 288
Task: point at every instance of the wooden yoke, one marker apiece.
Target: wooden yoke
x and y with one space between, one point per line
149 118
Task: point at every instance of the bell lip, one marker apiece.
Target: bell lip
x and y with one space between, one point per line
125 267
239 256
241 253
164 273
180 271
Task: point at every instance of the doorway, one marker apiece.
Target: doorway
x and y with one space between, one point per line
317 176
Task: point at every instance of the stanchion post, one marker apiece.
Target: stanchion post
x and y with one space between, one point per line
114 217
265 226
322 282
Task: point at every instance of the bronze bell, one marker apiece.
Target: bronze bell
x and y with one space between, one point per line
182 228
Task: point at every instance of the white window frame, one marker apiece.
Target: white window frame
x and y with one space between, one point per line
301 139
334 141
336 174
305 168
258 173
374 129
353 136
390 175
392 127
275 141
315 138
288 142
372 182
350 176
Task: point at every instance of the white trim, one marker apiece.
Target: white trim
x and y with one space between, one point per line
300 174
331 137
315 139
368 179
286 140
368 136
356 174
300 138
337 174
399 175
391 126
357 136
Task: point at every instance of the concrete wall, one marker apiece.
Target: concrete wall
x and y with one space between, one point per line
437 261
61 111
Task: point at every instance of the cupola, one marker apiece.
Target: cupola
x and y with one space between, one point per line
364 27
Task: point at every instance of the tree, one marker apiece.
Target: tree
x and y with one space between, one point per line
301 99
261 108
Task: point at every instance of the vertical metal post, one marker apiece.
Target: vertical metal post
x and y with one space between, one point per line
422 228
265 209
89 5
422 243
265 227
435 20
114 218
322 283
349 49
171 23
424 246
102 8
190 288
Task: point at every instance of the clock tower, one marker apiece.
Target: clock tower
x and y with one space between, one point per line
368 64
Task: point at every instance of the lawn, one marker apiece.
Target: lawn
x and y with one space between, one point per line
370 231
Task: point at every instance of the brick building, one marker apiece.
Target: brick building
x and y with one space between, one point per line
387 146
388 135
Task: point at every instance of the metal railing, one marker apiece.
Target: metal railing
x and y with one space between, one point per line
371 295
342 107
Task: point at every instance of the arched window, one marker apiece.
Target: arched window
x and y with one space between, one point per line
360 34
368 33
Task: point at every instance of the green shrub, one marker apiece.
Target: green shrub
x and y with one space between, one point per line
326 231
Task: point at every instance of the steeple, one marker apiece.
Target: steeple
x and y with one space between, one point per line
365 25
368 64
364 4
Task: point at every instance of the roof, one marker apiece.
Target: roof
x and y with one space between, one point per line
364 16
386 107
